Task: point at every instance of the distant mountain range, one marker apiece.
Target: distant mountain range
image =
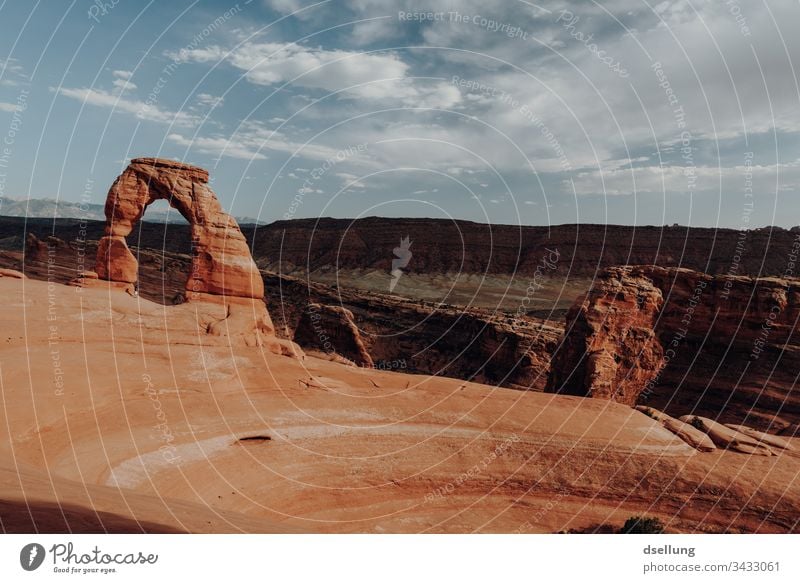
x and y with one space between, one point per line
48 208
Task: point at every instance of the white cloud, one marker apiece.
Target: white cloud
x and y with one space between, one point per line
121 85
11 65
141 109
286 6
122 81
12 73
656 179
350 180
218 147
252 139
373 76
209 100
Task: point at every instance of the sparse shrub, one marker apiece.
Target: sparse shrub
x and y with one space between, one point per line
642 525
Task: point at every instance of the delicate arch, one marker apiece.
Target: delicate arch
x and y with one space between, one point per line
221 259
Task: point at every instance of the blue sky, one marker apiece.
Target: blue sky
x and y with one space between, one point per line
499 111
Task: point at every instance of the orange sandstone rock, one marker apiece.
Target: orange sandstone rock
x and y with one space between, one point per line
12 273
611 350
221 259
224 288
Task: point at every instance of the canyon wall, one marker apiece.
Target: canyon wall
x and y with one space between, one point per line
413 335
441 246
686 342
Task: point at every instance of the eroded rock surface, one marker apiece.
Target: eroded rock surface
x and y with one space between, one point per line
766 438
611 349
725 347
331 329
422 337
691 435
728 438
224 285
221 260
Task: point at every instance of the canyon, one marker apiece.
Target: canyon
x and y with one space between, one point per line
163 378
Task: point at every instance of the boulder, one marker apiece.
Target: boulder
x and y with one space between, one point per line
726 437
691 435
765 438
13 273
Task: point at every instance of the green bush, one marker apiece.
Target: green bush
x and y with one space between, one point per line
642 525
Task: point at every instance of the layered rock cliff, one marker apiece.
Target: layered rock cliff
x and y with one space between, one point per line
686 342
445 246
461 246
413 335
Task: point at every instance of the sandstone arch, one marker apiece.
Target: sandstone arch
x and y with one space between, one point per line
221 260
225 292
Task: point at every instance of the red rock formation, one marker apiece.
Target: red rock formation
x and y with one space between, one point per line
224 284
610 350
331 329
12 273
221 260
686 342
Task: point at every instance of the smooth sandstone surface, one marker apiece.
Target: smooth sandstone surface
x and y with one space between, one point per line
130 413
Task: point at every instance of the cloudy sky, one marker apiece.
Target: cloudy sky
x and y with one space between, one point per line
503 111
